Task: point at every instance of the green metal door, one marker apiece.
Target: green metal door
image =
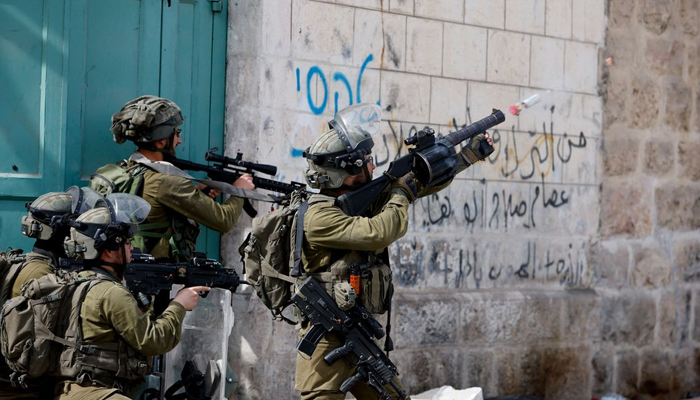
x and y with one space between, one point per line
69 65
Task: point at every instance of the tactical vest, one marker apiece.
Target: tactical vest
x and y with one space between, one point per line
42 335
10 264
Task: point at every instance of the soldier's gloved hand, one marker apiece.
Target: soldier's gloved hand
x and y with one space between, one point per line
478 148
406 185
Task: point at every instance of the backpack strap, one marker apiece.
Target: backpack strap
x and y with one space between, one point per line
298 269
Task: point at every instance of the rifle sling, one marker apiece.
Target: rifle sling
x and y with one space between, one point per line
298 269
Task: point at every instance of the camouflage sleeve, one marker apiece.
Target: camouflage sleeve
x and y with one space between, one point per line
150 337
182 196
31 270
326 225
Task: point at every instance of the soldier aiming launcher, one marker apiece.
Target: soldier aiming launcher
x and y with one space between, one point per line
432 160
357 327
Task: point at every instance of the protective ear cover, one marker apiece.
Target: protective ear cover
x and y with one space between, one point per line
35 229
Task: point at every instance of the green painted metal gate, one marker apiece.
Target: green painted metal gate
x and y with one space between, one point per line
67 65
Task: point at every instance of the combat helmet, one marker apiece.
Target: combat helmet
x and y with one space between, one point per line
107 226
44 215
146 119
341 151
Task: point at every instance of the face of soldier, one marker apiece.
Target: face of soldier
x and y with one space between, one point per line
361 178
116 256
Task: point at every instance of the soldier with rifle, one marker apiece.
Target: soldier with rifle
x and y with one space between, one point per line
346 230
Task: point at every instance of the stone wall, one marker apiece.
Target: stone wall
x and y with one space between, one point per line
564 266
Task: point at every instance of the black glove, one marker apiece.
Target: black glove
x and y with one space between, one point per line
477 149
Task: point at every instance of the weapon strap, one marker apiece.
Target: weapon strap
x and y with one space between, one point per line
298 269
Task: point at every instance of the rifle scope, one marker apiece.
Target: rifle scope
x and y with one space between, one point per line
239 162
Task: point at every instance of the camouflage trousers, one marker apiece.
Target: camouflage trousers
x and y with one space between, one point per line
316 380
73 391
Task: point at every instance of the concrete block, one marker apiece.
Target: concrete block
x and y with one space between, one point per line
603 368
627 373
485 96
508 58
407 94
651 268
655 15
278 86
547 63
558 18
582 319
520 372
243 87
664 56
589 21
659 157
628 319
416 370
678 102
581 67
678 207
565 209
525 16
621 156
401 6
645 96
245 31
562 112
423 46
689 163
627 211
464 52
488 13
566 374
512 320
445 10
425 323
477 370
371 4
579 156
276 32
446 367
314 41
686 257
611 259
387 54
448 100
621 12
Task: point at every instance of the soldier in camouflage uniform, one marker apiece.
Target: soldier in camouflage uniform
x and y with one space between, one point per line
177 205
110 315
333 241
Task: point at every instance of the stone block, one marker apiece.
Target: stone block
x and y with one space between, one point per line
401 6
495 321
445 10
276 18
589 21
485 96
520 372
686 257
623 45
245 35
547 63
678 102
685 370
477 371
611 259
659 157
508 58
697 110
415 368
602 367
617 93
628 319
423 46
674 318
655 15
561 113
621 12
678 207
448 100
690 16
627 373
558 19
688 160
581 67
464 52
371 4
582 319
243 87
627 211
566 373
390 53
651 268
525 16
489 13
277 85
314 41
665 56
446 367
655 374
425 323
644 103
407 94
620 156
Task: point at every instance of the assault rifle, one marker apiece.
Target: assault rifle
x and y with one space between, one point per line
357 327
432 160
145 276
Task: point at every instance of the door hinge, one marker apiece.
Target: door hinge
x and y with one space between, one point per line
216 6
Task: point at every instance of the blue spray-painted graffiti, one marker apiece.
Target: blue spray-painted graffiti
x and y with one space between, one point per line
337 77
